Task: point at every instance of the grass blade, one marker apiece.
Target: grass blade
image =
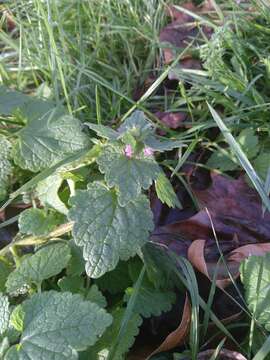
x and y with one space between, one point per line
264 350
128 315
245 163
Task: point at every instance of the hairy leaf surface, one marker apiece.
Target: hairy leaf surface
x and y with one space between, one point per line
160 145
255 275
36 222
45 263
6 168
103 346
103 131
30 107
4 313
137 124
95 295
107 231
129 175
47 140
150 301
5 270
57 325
165 192
117 280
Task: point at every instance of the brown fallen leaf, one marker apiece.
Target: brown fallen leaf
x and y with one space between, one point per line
172 120
180 15
224 354
177 337
245 251
236 212
196 257
9 20
182 31
234 258
176 14
2 216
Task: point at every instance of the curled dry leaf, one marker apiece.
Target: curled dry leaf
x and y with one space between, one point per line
245 251
178 336
224 354
196 257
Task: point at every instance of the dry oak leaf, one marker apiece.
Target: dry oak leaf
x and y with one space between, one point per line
197 259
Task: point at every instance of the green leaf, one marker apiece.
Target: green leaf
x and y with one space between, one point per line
165 192
104 131
5 270
161 270
259 338
150 301
76 264
103 346
11 100
222 160
36 222
4 346
4 314
29 106
226 161
17 318
129 175
159 144
249 142
262 164
107 231
255 275
12 354
95 295
6 167
45 263
57 325
47 192
264 351
136 125
73 284
47 140
115 281
242 158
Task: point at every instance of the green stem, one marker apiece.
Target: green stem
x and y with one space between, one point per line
35 240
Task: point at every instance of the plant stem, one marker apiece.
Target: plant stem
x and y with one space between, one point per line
35 240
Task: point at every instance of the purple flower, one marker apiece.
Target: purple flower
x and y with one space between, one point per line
128 151
148 151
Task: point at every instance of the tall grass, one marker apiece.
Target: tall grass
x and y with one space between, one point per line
86 49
